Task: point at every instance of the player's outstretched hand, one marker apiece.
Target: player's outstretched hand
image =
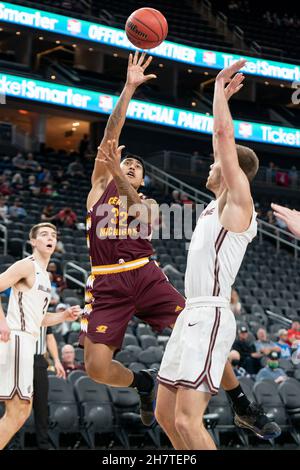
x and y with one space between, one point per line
137 65
4 331
290 216
72 313
226 74
234 86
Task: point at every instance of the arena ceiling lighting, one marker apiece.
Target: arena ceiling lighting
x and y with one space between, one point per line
101 34
87 100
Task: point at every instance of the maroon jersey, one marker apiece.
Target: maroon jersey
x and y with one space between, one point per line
112 234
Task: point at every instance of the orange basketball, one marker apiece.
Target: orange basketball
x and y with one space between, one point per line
146 28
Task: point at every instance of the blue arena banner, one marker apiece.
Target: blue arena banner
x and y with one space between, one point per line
95 32
87 100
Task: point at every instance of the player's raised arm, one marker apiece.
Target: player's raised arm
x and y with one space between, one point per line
137 66
233 87
10 277
235 179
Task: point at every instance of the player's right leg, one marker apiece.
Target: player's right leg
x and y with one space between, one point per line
165 415
16 413
101 367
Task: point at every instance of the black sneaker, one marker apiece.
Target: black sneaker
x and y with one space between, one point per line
257 421
147 400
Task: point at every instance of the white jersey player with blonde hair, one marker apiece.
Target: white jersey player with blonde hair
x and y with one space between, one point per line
19 330
196 354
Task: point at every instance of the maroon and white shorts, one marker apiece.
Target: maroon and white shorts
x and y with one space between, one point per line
198 348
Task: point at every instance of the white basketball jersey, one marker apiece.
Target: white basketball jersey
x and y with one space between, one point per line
215 255
26 309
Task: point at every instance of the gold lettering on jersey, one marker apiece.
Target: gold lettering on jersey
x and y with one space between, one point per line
111 231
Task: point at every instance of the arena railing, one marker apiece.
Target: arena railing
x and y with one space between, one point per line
265 230
75 266
4 238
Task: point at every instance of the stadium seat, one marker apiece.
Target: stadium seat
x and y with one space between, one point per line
96 410
75 375
73 338
148 340
63 415
126 408
266 394
150 355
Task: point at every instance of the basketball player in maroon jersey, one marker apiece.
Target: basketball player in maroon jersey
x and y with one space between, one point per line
124 281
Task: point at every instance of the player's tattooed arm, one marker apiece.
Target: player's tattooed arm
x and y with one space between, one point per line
137 65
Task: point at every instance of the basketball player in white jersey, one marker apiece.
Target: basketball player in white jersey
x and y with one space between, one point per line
195 357
19 331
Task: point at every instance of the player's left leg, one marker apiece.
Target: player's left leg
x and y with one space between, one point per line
190 408
165 415
247 415
16 413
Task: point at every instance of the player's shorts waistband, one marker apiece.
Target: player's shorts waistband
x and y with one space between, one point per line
121 267
209 301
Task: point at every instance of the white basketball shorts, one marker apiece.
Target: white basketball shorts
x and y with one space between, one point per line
16 366
198 348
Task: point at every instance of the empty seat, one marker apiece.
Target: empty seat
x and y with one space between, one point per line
63 415
75 375
150 355
96 411
148 340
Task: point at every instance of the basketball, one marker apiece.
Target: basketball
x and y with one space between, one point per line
146 28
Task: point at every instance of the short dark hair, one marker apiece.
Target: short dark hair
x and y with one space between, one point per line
248 161
138 158
34 230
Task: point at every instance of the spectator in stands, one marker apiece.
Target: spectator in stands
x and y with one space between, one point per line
271 218
235 304
4 217
57 278
66 218
17 182
19 161
59 249
272 371
17 210
54 300
246 348
263 345
44 176
234 359
31 163
47 189
64 327
32 186
176 197
75 168
270 172
5 188
68 359
285 349
59 175
48 213
293 175
83 146
294 333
